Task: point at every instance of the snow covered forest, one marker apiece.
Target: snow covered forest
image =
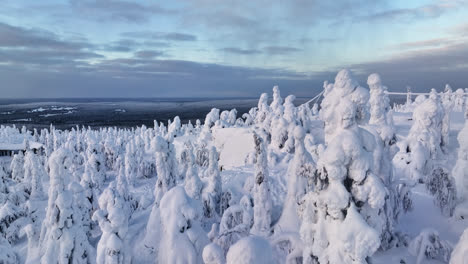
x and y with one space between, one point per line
350 180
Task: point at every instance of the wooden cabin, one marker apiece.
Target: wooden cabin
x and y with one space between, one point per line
10 149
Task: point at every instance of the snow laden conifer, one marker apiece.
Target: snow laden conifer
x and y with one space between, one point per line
263 111
459 100
460 172
34 174
448 105
166 167
193 184
261 191
301 173
211 118
345 86
181 237
349 198
277 103
95 167
428 245
213 189
112 217
381 114
17 167
424 140
130 163
63 240
236 223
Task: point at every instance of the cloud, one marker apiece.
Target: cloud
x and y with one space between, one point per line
17 37
424 43
409 14
168 36
36 48
52 59
241 51
270 50
149 77
117 10
281 50
422 68
460 30
149 54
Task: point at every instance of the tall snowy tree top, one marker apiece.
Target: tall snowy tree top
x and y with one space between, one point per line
374 80
263 102
345 87
345 82
58 164
277 103
212 117
429 113
261 164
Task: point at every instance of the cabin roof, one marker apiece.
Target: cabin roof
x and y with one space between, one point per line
20 146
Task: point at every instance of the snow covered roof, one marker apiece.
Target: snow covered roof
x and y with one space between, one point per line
19 146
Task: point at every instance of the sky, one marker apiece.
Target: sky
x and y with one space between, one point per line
226 48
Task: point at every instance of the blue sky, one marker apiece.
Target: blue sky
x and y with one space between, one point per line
186 48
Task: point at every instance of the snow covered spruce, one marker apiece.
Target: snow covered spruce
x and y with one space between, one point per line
329 183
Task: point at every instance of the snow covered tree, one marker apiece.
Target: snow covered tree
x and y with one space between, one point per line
428 245
261 191
174 129
96 167
381 114
193 184
17 167
290 111
91 189
460 172
112 217
301 173
424 140
167 170
442 186
63 239
201 147
82 207
348 197
34 173
459 100
279 133
344 87
213 189
181 238
130 162
448 104
12 209
277 103
263 110
211 118
235 224
166 167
